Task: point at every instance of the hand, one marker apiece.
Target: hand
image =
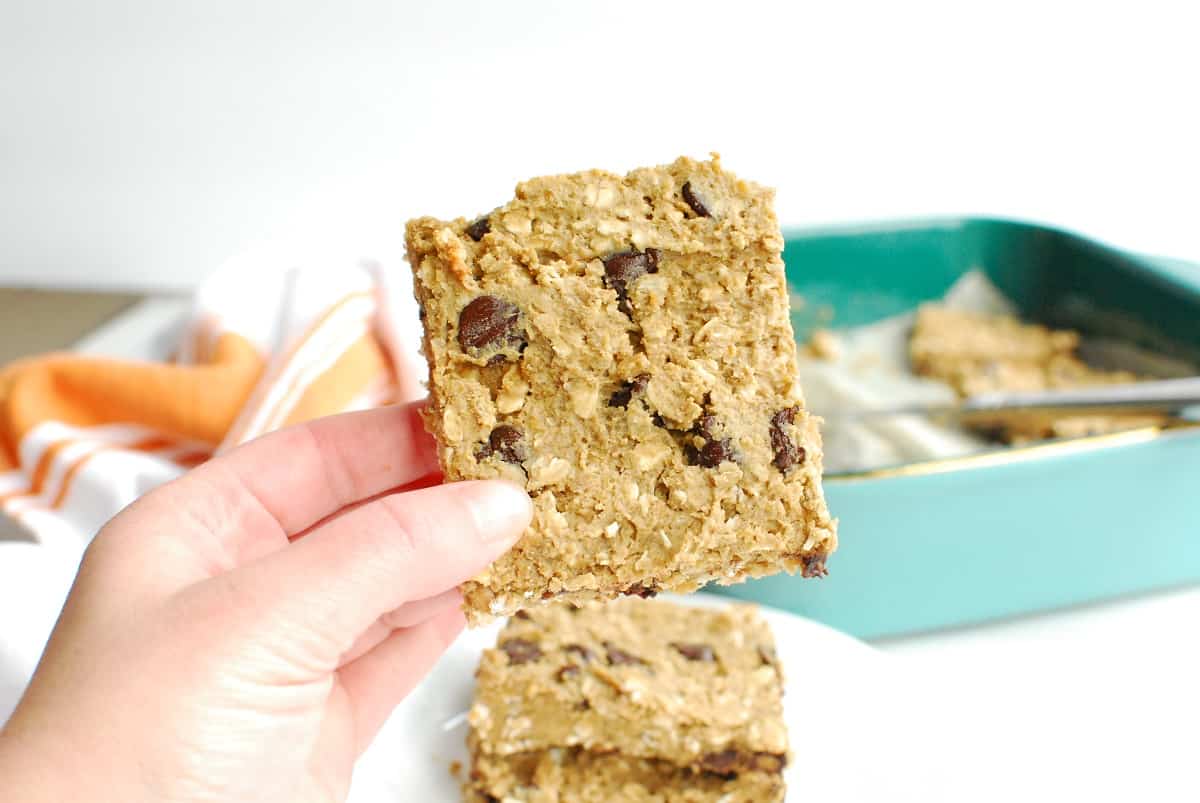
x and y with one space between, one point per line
241 634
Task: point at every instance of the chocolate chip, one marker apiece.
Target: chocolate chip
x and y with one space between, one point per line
706 427
694 202
713 453
524 615
715 449
520 651
626 267
623 395
489 323
658 421
618 657
508 443
729 762
479 228
579 651
784 417
695 652
639 590
797 456
787 454
721 763
814 565
567 671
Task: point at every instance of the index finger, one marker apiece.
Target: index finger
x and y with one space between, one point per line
249 502
307 472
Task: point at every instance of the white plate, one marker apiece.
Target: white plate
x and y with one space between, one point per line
840 704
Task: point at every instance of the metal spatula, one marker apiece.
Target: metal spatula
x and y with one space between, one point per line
1166 396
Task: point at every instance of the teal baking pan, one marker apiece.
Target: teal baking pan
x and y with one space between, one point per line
1019 530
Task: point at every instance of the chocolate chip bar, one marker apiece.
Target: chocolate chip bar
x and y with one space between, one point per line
620 347
633 701
977 353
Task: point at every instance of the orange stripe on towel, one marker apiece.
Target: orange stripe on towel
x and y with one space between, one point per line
192 459
194 402
244 429
42 470
359 366
52 456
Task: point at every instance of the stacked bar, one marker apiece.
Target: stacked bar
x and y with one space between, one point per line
633 701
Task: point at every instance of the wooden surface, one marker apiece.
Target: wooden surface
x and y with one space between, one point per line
37 321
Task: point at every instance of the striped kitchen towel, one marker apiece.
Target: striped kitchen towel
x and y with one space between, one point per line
270 342
272 339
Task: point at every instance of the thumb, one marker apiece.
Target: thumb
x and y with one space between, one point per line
343 576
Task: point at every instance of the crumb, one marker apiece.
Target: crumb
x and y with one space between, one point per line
823 345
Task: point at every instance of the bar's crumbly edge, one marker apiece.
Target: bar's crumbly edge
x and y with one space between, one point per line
592 776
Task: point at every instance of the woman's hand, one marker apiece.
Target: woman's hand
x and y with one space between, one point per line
241 634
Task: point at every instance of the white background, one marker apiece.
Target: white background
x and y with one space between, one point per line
143 141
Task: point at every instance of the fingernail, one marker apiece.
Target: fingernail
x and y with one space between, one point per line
504 511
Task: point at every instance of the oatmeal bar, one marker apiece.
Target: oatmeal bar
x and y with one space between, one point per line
577 776
977 353
620 347
634 700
